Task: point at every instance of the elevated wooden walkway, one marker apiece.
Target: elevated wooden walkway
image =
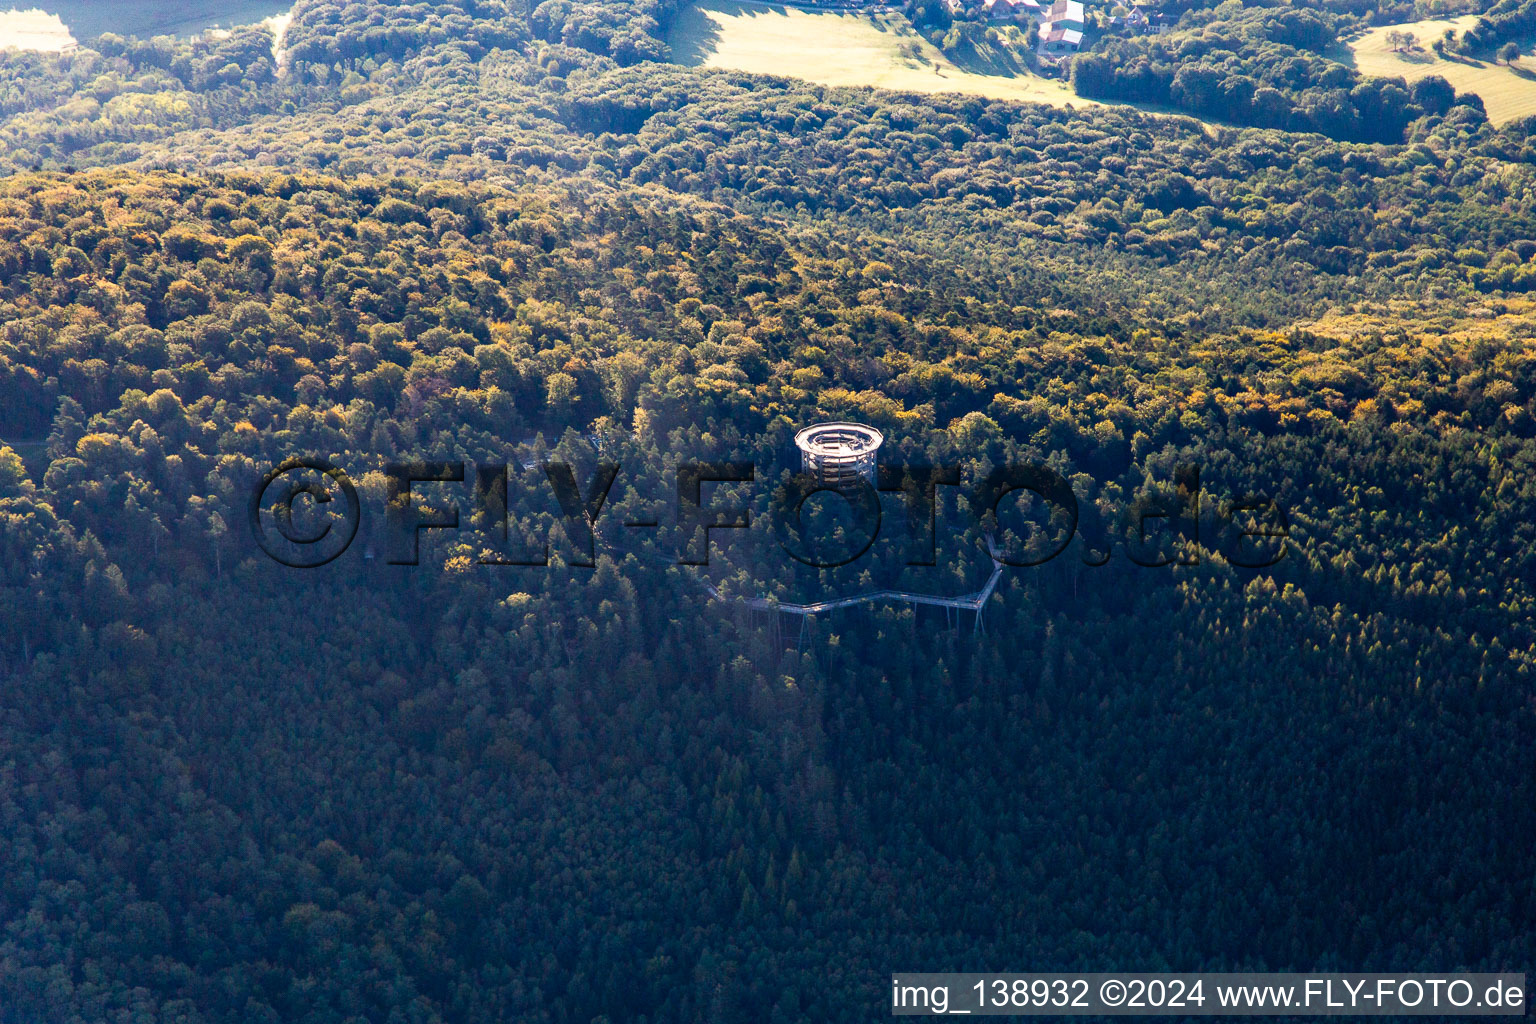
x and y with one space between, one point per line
975 602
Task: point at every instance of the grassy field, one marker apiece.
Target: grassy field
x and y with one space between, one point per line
1508 92
33 29
840 49
88 19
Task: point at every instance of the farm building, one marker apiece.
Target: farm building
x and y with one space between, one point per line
1061 29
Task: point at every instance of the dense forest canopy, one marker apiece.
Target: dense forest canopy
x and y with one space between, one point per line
470 231
1263 67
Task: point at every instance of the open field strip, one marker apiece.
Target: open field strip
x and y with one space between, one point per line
835 48
1508 93
33 29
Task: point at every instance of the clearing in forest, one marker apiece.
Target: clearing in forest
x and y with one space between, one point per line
34 29
882 50
1508 92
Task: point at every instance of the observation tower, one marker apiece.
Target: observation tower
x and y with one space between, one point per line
838 454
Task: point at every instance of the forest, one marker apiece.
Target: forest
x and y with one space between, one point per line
1504 21
1263 67
235 791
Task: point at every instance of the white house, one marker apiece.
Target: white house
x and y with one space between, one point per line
1066 14
1061 29
1059 42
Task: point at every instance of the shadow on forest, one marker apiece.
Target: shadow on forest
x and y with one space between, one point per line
1341 52
695 36
33 453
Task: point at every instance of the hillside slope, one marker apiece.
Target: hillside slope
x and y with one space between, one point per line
237 791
